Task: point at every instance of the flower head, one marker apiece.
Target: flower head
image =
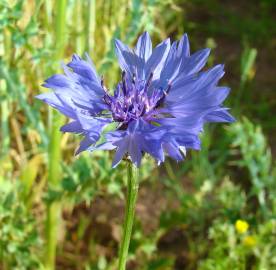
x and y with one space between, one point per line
249 241
159 106
241 226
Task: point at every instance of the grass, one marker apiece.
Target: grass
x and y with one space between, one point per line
55 156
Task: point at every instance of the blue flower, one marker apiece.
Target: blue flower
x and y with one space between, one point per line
159 107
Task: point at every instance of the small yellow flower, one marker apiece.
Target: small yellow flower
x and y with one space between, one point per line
241 226
249 241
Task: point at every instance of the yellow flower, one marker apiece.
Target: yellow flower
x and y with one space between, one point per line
249 241
241 226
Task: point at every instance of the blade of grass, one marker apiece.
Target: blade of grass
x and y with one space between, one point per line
90 25
5 137
54 209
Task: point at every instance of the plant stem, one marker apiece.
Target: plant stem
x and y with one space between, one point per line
54 209
5 134
132 192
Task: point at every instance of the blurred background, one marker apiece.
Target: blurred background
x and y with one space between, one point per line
215 211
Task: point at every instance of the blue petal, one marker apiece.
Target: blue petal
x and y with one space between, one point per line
57 81
190 124
172 151
135 65
144 46
183 48
220 115
53 100
195 62
122 148
84 78
92 128
139 137
157 59
89 123
190 89
86 142
129 144
171 66
190 141
179 53
154 148
102 146
73 126
201 101
84 69
121 48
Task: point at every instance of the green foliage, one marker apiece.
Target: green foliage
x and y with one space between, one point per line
19 239
91 176
233 251
256 157
231 199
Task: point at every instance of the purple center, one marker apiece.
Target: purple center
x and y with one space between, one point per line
134 99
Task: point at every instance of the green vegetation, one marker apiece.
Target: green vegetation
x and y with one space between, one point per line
59 211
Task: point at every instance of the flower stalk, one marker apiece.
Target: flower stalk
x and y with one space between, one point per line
160 106
132 191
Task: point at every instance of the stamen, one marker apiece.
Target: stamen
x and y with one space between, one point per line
133 78
166 92
102 81
124 88
131 101
148 81
102 84
107 99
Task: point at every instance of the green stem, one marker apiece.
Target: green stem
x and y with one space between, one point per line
132 192
91 26
53 215
54 209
